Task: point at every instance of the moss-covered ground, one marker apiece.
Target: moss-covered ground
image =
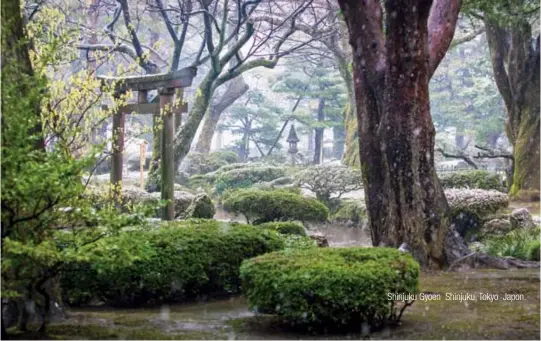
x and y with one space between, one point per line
231 319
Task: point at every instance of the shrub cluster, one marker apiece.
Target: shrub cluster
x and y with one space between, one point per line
246 177
480 179
285 227
342 286
183 259
260 206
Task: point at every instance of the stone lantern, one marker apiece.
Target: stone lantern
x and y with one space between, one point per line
292 139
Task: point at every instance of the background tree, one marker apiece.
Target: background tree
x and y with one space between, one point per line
514 47
317 82
254 119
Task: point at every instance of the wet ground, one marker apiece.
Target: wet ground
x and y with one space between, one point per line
445 318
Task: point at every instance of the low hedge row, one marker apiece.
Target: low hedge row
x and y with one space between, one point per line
260 206
342 286
183 259
246 177
480 179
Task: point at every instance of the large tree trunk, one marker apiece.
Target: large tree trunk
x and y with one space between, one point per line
234 90
319 131
405 200
515 63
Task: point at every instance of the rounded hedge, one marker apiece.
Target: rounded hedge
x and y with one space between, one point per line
260 206
184 259
480 179
338 286
284 227
246 177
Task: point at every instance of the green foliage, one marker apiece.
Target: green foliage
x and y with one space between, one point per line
47 119
284 227
471 179
262 206
297 242
350 211
520 243
183 259
246 177
339 287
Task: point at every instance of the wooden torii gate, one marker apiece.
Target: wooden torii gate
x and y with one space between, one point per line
165 83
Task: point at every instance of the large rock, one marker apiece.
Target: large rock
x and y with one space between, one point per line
521 219
133 161
469 207
200 207
320 239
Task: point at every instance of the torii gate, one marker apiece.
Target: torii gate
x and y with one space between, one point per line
165 83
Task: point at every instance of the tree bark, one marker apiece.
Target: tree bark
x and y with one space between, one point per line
234 90
319 131
405 200
515 63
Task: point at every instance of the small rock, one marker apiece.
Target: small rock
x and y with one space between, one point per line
320 239
521 219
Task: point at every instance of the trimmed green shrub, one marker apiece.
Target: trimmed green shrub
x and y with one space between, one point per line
201 164
261 206
246 177
184 259
284 227
522 244
351 212
480 179
470 206
294 241
342 286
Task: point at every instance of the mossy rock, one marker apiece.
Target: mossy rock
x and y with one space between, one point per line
200 207
333 286
350 212
470 206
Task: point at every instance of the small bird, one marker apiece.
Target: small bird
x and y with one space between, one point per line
404 248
